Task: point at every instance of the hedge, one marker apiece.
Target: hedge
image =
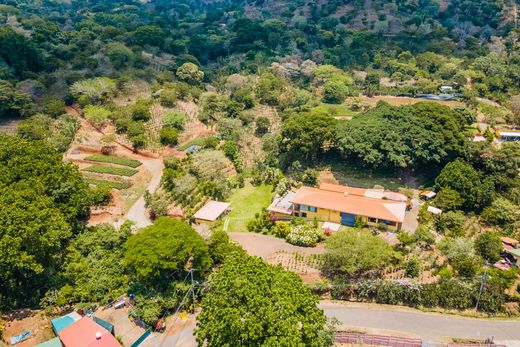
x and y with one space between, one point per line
114 160
111 170
113 184
447 294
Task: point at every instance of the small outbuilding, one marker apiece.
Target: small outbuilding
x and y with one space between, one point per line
211 211
434 210
428 195
508 135
85 332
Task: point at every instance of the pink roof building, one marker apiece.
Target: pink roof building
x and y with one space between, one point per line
211 211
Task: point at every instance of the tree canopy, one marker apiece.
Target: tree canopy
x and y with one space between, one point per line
264 305
43 202
351 252
166 250
403 136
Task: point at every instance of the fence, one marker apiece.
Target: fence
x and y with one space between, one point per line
377 340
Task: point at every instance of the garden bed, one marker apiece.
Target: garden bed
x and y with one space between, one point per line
111 170
119 185
114 160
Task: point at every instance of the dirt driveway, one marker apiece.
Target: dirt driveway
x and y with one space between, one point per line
264 245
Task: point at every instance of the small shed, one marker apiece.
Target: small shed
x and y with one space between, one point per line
508 135
434 210
428 195
211 211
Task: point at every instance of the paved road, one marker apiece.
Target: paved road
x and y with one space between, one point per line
431 327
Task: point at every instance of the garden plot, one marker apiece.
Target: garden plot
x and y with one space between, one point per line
114 160
111 170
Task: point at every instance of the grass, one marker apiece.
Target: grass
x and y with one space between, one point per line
245 202
199 141
340 110
111 170
113 184
114 160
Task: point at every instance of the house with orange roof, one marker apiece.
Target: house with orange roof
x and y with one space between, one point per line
341 204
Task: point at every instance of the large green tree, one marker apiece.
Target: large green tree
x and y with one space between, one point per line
461 177
165 250
42 203
251 303
13 102
356 251
305 136
403 136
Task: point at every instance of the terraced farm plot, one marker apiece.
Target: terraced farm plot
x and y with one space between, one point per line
113 184
114 160
111 170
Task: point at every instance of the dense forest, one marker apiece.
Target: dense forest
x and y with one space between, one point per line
260 97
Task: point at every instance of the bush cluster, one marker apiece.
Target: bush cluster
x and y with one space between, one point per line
303 235
447 294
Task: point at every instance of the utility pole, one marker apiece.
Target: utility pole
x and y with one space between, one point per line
192 291
482 285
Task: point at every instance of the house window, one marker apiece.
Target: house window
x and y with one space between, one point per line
303 214
308 208
372 220
387 222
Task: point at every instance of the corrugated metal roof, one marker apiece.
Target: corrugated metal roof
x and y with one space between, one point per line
86 332
211 210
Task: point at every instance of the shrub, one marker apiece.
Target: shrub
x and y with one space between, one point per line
281 229
174 120
97 115
141 110
262 125
262 223
413 267
101 194
114 160
168 97
169 136
111 170
303 235
138 141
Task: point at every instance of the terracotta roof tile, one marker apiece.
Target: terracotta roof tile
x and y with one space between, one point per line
350 203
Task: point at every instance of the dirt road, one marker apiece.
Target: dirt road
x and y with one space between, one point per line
138 213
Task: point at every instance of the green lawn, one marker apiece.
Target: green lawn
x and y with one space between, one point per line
359 177
245 202
340 110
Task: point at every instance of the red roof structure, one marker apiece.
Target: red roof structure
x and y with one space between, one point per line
350 203
85 332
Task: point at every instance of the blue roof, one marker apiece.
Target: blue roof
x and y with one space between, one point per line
55 342
58 324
